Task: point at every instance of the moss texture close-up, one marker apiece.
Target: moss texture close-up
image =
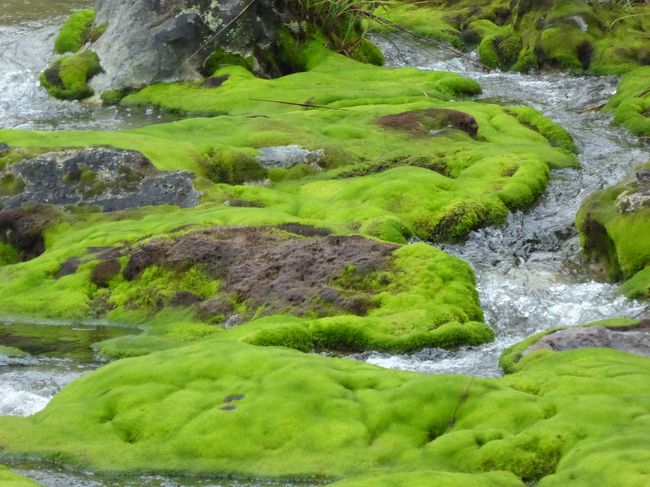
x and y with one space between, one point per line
578 36
214 405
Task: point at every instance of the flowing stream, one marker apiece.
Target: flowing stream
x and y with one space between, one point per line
529 271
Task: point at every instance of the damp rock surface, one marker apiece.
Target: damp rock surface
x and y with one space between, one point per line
111 179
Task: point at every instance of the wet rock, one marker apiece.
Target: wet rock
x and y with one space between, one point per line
288 156
634 340
184 298
215 81
110 179
233 321
4 148
103 272
263 267
152 41
69 267
432 120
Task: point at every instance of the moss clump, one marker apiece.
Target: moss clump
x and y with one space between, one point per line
231 168
617 238
631 104
76 31
8 254
68 77
433 479
306 416
11 479
11 352
11 185
593 37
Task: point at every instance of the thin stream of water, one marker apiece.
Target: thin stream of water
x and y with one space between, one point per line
529 271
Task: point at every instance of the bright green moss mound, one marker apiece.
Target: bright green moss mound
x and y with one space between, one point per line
617 238
11 352
631 104
433 479
11 479
578 417
593 37
75 32
379 182
68 77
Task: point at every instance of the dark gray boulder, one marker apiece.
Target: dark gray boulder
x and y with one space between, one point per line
111 179
151 41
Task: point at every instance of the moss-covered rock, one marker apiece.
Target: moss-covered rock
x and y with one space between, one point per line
631 104
68 77
11 479
614 232
76 31
212 406
594 37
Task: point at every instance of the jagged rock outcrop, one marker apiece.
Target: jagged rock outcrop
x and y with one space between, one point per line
111 179
151 41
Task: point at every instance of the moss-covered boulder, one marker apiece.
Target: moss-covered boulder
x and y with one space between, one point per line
76 31
614 225
211 407
631 104
594 37
68 77
11 479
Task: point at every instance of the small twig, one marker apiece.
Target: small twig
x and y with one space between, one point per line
305 105
592 108
626 17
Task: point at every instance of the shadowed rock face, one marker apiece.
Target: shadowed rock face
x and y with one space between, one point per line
150 41
635 339
110 179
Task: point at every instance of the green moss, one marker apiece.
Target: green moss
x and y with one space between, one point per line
76 31
433 479
11 479
631 104
11 352
113 97
617 239
11 185
68 77
209 407
593 37
231 167
8 254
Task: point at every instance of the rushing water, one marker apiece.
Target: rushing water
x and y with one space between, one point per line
529 271
27 32
57 356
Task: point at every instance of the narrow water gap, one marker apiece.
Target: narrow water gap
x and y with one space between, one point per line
530 273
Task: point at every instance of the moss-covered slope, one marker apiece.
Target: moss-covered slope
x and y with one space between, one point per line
578 36
578 417
631 104
11 479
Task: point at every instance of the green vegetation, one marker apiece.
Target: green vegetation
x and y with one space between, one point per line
76 31
593 37
616 237
631 104
211 406
11 479
432 479
68 77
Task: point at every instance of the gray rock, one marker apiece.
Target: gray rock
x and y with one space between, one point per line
287 156
111 179
632 202
634 340
4 148
233 321
151 41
